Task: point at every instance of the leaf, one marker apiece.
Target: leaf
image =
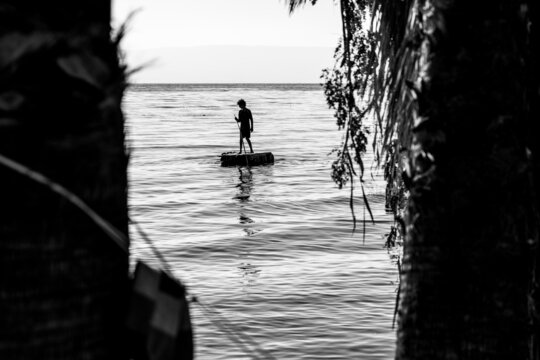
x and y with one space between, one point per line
11 101
86 67
16 46
366 202
7 122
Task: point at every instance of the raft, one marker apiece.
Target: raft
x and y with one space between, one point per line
250 159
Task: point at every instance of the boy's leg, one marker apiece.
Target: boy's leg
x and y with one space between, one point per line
249 142
240 145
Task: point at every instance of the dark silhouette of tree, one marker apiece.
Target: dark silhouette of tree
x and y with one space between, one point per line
456 91
62 280
472 214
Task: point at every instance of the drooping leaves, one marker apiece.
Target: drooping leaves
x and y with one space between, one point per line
345 87
367 84
294 4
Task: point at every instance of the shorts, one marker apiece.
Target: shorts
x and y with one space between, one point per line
246 133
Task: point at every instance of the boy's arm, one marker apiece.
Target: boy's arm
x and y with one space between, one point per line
251 119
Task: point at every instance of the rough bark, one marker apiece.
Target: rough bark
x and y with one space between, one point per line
468 251
62 280
532 59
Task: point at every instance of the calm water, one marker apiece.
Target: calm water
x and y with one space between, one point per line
269 247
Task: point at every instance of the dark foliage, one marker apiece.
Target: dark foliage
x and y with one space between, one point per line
63 281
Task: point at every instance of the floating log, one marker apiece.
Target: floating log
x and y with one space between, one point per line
250 159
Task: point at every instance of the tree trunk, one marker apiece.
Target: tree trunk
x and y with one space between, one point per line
62 280
468 251
533 99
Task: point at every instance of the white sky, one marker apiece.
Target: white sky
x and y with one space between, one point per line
167 30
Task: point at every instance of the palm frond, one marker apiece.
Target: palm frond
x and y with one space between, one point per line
295 4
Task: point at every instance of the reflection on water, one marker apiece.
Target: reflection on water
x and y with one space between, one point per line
244 219
249 274
246 183
248 271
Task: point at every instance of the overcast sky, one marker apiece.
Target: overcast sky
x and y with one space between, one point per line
228 40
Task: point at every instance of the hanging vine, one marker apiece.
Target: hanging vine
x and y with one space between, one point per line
345 88
368 90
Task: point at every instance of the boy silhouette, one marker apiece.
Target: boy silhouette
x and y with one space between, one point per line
246 123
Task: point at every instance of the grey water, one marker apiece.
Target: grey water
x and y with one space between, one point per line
269 248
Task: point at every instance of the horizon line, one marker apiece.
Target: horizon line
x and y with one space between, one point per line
225 83
232 45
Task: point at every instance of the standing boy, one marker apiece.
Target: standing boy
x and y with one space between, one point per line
246 123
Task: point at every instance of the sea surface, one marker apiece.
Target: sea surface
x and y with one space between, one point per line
269 250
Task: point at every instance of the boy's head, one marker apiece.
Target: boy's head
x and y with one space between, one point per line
241 103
